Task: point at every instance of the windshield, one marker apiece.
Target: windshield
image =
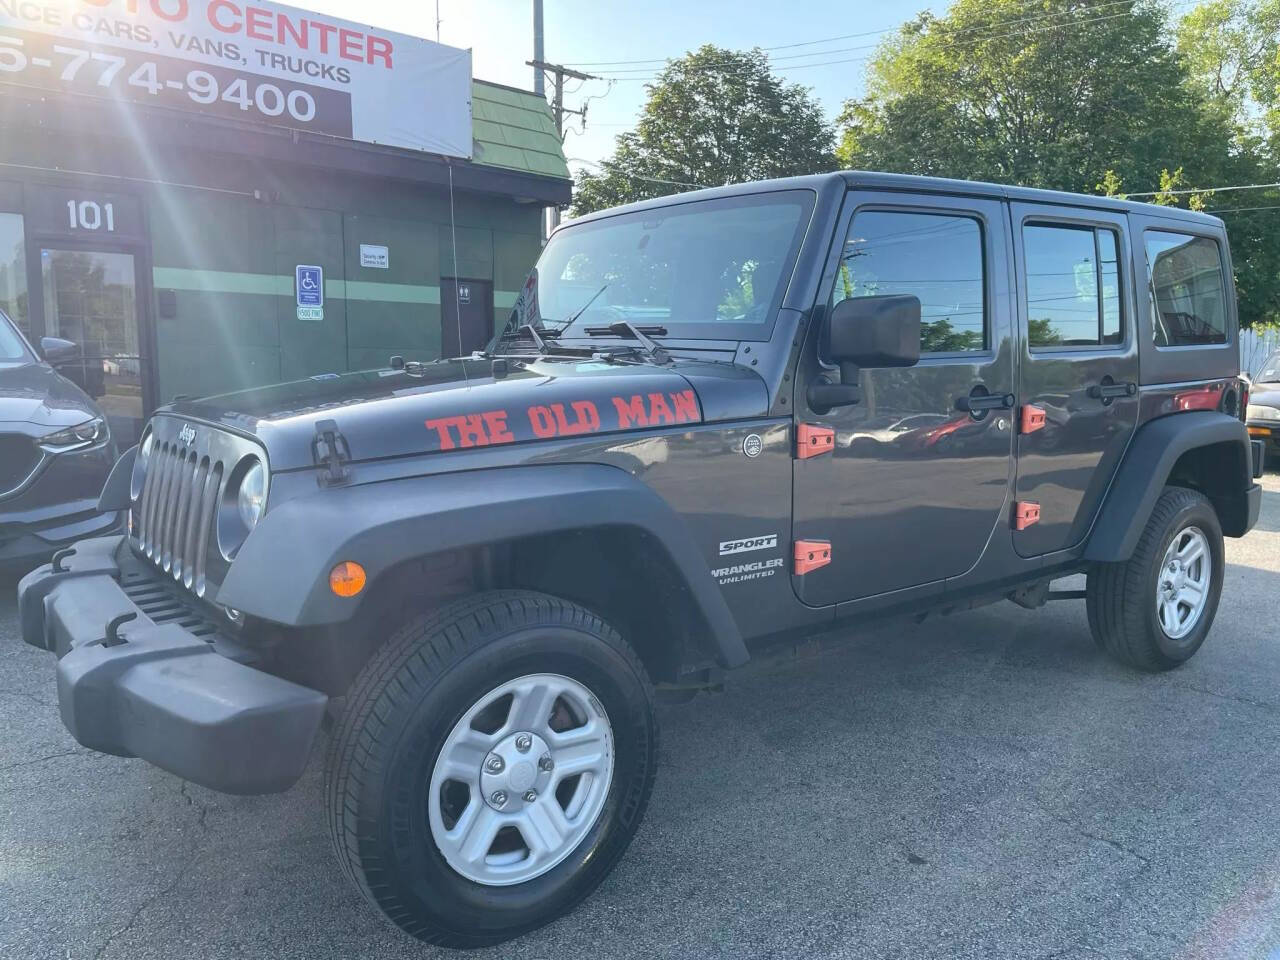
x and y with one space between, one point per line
1270 372
710 269
11 345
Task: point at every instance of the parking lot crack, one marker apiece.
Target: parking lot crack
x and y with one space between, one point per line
23 695
45 759
1235 698
189 861
1115 845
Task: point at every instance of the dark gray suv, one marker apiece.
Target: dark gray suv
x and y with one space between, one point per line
713 425
55 453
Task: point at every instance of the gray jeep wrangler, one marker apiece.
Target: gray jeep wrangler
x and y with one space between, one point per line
714 423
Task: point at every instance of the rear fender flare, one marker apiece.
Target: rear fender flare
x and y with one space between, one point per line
282 571
1147 465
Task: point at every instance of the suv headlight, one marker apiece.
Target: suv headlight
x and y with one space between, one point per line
252 496
1256 411
140 465
243 500
82 435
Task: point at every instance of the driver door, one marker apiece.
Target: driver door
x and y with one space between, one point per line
914 485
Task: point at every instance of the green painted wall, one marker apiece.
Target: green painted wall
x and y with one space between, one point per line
230 261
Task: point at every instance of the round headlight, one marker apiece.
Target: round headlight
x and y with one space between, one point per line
139 475
252 496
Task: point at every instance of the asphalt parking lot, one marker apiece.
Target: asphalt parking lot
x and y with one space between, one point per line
979 785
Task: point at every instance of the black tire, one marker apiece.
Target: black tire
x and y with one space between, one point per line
1121 596
400 710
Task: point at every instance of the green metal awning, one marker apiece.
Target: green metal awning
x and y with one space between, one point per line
513 129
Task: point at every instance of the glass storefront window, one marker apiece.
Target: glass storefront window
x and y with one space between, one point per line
13 271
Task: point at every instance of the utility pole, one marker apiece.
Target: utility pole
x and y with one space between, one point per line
559 73
539 78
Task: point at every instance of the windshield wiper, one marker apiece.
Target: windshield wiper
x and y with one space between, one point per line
566 324
625 328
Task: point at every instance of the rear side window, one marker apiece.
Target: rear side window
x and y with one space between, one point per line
936 258
1188 295
1073 286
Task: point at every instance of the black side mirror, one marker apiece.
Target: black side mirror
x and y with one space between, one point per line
56 350
867 332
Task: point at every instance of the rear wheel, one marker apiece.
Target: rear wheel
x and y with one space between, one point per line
494 763
1154 610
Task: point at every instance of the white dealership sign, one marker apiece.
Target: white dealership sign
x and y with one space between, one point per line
253 60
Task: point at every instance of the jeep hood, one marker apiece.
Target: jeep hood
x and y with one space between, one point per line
458 404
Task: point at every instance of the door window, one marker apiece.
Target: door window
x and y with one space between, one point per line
90 297
13 271
934 257
1188 296
1072 286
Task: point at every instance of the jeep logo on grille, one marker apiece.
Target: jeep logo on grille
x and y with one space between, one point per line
187 435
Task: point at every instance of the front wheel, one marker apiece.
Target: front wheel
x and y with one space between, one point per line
493 764
1154 610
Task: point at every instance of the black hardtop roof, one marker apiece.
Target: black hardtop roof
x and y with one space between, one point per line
915 184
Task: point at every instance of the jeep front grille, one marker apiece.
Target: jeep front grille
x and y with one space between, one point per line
176 511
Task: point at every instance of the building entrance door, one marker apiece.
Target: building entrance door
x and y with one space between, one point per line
466 312
91 297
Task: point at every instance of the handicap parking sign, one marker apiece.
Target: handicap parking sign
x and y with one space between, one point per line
309 282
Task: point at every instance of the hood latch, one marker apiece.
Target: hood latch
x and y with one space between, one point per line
330 451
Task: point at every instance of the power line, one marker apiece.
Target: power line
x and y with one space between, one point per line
607 165
964 44
1275 206
1242 186
850 36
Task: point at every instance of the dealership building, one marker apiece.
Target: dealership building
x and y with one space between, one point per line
209 195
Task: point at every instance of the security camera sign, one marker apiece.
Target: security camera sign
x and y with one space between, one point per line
257 61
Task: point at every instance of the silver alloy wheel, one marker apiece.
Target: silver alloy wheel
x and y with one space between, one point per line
1182 588
521 779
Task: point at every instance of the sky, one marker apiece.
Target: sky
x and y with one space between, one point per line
582 33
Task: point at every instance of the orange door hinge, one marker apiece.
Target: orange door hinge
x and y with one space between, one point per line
811 554
1025 513
1033 418
813 440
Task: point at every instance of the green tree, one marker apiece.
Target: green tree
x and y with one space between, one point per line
1230 48
712 117
1054 94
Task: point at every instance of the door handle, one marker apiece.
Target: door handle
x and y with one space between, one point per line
1109 391
979 403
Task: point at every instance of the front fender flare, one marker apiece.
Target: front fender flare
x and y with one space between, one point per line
282 571
1147 464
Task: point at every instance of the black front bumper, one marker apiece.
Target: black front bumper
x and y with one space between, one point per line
159 690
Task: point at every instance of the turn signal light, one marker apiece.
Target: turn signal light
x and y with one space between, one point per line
347 579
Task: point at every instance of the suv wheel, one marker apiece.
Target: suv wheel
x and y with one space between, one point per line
493 764
1154 610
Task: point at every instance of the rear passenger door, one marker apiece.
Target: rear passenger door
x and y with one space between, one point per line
1079 366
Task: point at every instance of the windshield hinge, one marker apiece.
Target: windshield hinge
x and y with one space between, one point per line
330 451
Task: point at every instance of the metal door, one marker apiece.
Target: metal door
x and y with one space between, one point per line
1079 365
920 470
466 312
